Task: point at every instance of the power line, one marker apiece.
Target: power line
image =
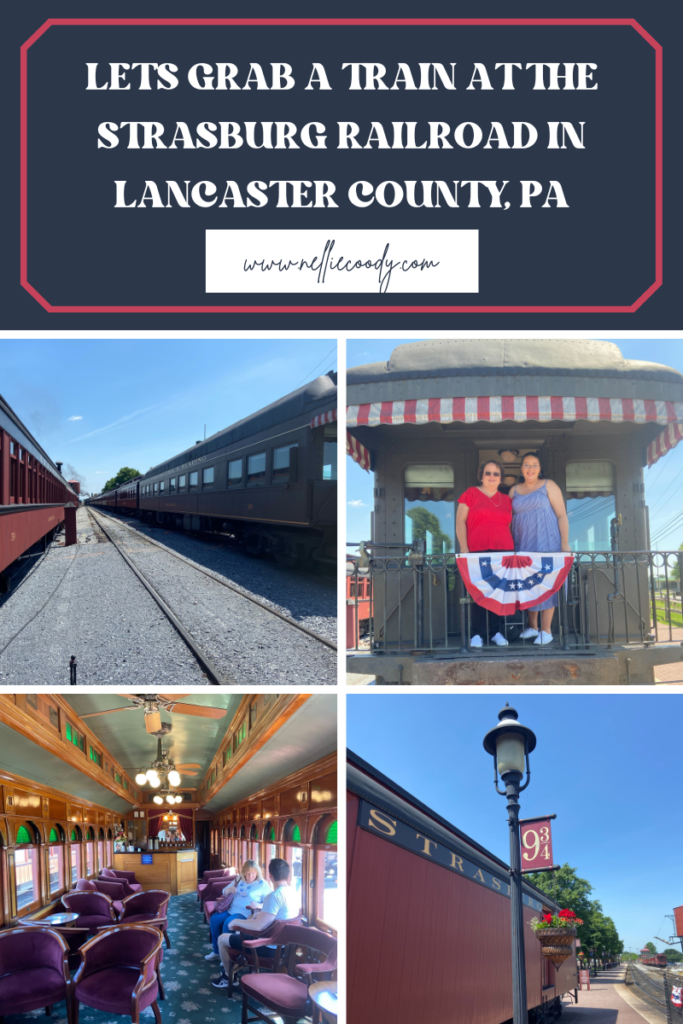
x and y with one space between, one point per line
333 349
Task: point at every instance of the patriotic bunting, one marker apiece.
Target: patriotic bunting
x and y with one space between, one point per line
358 452
505 581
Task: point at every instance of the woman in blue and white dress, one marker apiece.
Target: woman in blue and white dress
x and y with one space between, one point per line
250 888
539 523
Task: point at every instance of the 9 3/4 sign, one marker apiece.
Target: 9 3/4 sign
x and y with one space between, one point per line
537 844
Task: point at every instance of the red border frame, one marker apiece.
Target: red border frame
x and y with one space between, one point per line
345 22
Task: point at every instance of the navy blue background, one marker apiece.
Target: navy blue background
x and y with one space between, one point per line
82 251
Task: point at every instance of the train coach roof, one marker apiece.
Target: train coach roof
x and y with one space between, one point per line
370 784
10 422
555 358
317 396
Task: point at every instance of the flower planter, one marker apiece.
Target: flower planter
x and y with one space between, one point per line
556 943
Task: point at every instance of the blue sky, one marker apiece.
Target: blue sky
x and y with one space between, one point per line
606 765
102 404
663 482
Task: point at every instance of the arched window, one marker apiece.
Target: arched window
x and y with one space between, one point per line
294 854
101 860
25 867
90 853
110 848
75 851
325 867
55 859
270 845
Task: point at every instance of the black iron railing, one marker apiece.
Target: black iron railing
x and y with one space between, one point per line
401 599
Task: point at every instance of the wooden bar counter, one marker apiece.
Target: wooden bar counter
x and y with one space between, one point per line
172 869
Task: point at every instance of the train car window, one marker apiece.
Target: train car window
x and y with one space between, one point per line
591 504
194 481
171 485
235 473
162 484
256 470
282 460
26 869
330 454
181 483
208 477
156 488
428 494
55 861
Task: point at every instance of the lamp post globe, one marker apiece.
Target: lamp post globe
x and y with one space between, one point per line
510 743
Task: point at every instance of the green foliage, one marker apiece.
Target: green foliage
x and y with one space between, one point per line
672 955
122 477
629 956
675 573
425 522
597 931
651 946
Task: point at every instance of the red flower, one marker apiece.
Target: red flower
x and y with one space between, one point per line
566 913
547 918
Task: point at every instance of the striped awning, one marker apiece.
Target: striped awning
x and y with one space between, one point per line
358 452
541 408
323 417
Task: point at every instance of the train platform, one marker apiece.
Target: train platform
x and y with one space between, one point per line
610 1001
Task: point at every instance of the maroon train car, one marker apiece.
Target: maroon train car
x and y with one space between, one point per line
428 928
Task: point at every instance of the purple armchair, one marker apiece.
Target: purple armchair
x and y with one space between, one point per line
284 993
127 879
34 971
213 892
150 907
93 908
116 891
118 972
249 957
209 876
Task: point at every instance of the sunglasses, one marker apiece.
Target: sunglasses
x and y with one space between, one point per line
486 473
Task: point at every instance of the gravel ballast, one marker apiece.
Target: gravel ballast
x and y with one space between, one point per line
85 601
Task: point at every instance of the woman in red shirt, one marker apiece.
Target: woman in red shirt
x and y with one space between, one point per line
483 524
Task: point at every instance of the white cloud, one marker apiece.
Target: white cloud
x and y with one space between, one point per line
72 418
357 504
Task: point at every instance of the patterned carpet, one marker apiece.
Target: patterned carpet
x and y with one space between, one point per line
190 997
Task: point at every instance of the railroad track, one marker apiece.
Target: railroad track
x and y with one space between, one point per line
215 675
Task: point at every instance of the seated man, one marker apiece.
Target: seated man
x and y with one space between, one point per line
282 904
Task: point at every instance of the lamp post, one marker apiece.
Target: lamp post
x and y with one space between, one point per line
511 743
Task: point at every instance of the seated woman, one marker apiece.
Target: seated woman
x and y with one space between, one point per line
539 523
283 904
250 890
483 524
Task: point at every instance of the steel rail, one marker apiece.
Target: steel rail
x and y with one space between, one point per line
205 663
229 586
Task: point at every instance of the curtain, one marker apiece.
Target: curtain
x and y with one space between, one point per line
153 824
185 823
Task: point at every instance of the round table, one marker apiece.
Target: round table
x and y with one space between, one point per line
61 920
324 997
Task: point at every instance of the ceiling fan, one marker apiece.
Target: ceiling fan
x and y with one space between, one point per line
164 773
154 703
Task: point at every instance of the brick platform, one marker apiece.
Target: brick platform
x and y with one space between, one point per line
605 1004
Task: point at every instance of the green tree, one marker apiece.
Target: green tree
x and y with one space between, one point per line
425 522
629 956
675 573
672 955
651 946
122 477
573 893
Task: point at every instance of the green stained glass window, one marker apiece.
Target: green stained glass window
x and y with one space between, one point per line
296 834
68 732
271 834
332 834
74 837
117 778
23 835
54 838
125 784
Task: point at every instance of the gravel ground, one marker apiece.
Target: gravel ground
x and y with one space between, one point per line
245 641
95 609
308 599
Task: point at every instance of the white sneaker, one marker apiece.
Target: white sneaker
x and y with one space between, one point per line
500 640
476 641
529 633
211 956
544 638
